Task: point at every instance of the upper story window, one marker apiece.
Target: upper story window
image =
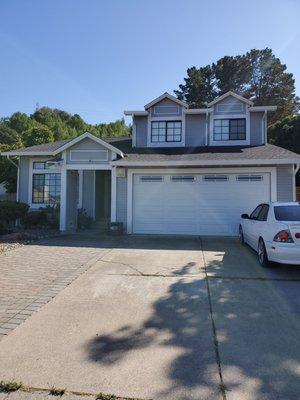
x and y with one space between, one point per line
229 129
166 131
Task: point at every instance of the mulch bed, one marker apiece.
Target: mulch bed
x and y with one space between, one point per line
22 237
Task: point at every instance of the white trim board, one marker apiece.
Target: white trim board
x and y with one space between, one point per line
92 137
165 96
131 172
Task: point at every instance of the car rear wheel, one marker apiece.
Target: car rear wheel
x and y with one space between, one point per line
262 254
241 235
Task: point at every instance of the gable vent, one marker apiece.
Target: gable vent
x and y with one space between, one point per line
88 155
166 110
230 108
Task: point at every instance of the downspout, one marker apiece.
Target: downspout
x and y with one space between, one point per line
206 129
18 174
296 169
264 128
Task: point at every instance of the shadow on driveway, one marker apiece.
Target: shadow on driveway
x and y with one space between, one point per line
256 314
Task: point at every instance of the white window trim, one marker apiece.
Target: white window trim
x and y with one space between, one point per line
271 170
30 180
89 160
245 142
165 118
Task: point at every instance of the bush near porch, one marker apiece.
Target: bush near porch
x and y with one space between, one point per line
10 211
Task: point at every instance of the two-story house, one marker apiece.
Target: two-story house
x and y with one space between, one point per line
184 171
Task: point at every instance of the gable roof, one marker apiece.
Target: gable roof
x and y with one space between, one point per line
230 93
57 147
166 95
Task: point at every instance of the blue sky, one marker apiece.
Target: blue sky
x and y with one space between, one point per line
97 58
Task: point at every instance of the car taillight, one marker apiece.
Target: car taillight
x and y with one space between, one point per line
283 237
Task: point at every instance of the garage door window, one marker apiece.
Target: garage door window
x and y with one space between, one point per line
154 178
249 178
215 178
182 178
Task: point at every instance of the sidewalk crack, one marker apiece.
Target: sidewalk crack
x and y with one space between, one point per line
214 330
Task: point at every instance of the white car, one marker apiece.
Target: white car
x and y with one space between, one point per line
273 230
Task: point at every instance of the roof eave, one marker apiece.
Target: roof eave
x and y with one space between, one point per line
168 96
200 163
230 93
137 113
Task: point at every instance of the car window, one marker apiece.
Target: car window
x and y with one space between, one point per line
256 212
287 213
263 215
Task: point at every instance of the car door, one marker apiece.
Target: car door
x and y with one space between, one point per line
252 226
259 225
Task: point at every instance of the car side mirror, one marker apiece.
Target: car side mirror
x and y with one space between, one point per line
245 216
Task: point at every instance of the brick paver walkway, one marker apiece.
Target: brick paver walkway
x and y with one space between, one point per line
32 275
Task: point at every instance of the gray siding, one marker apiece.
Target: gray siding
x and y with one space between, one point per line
88 192
285 183
24 179
88 144
122 200
256 132
72 178
141 131
195 130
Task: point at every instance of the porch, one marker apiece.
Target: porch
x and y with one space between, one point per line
89 191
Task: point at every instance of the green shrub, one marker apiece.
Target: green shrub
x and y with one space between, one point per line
3 229
52 213
10 211
83 221
34 219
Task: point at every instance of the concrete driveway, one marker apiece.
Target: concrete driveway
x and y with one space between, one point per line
166 318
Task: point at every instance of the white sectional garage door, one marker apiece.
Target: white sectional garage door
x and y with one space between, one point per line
196 204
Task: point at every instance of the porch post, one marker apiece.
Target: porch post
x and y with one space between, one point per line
113 212
63 200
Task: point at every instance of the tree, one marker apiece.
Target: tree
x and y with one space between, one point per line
9 140
230 73
286 134
38 135
199 88
257 75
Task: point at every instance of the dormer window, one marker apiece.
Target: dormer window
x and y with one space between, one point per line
229 129
166 131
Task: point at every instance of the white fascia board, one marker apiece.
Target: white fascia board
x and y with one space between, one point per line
165 96
137 113
237 96
263 108
198 110
203 163
92 137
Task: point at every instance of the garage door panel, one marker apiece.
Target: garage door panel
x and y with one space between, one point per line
195 207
